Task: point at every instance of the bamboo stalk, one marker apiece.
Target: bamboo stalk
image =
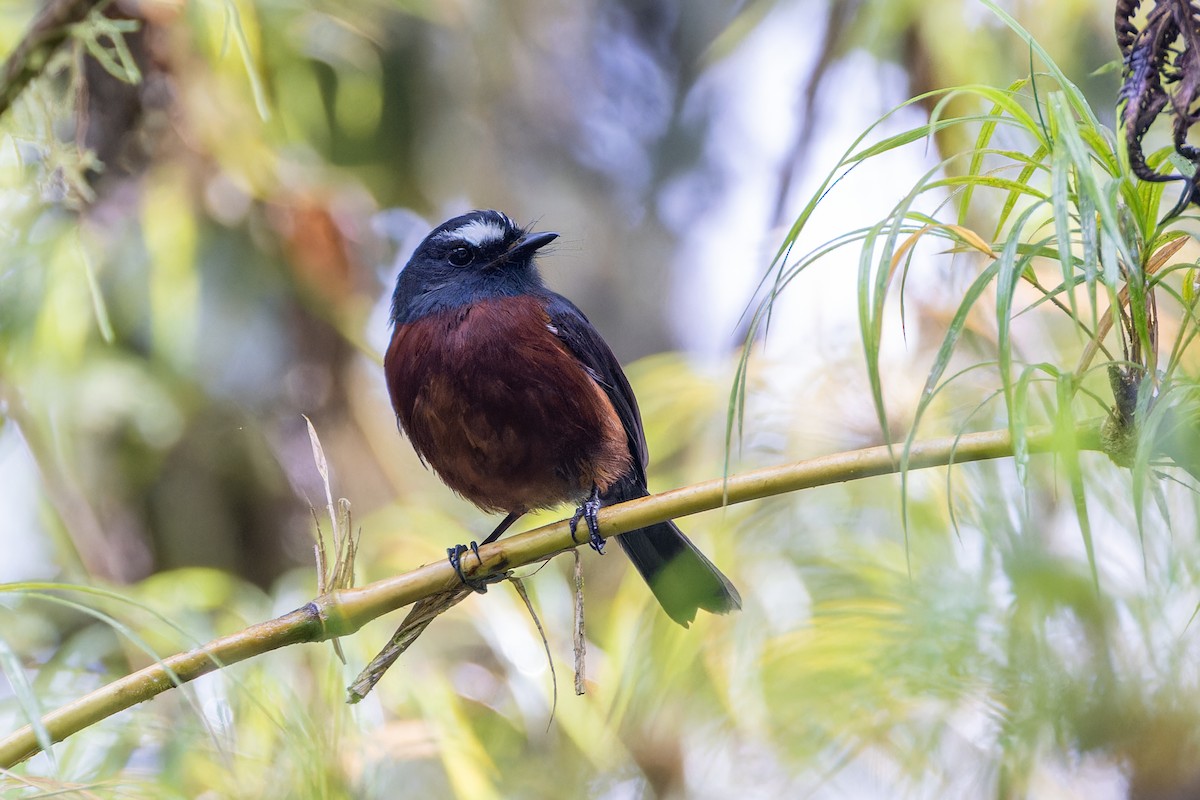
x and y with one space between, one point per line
345 611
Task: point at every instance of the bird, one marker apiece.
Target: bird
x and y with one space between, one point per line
514 399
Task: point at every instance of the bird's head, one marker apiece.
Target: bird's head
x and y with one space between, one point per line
474 257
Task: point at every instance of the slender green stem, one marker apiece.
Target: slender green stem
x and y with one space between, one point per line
344 612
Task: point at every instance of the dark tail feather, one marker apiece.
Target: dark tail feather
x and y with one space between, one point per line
680 576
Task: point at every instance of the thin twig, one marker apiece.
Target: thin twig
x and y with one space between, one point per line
519 585
423 613
580 637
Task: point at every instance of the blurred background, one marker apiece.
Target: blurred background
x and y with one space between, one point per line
203 207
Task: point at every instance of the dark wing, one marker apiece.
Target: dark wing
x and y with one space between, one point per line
583 340
681 577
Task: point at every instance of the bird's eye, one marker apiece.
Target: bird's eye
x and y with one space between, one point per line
461 256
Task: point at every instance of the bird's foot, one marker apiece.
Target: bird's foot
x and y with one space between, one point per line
454 554
587 512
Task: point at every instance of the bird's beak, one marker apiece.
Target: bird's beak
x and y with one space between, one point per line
530 243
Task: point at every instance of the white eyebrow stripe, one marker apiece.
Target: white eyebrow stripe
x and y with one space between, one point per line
476 232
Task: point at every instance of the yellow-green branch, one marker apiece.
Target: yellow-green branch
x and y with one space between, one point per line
344 612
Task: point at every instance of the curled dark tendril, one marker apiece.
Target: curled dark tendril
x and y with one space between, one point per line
1162 66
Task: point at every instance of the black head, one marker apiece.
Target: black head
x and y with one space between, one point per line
469 258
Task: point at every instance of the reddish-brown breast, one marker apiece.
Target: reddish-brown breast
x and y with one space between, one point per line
502 411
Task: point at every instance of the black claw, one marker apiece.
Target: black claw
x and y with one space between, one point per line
588 511
454 554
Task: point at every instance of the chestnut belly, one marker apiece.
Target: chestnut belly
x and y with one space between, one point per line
494 402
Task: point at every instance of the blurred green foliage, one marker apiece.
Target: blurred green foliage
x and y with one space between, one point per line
189 265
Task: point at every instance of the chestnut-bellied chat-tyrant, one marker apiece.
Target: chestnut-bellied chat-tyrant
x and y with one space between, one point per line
515 400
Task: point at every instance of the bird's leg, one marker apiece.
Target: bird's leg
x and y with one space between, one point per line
504 525
587 511
454 555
